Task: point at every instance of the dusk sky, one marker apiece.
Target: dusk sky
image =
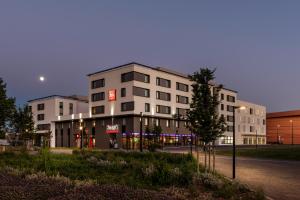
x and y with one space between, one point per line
255 45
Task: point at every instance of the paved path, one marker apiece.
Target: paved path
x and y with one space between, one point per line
279 179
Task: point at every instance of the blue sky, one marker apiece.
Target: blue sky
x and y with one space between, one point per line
254 44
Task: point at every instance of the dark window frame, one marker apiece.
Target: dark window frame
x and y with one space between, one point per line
99 83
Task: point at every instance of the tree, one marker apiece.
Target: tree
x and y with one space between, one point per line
203 116
157 131
7 107
23 123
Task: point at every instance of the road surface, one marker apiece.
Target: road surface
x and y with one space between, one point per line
279 179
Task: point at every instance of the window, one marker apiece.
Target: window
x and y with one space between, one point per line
181 111
264 122
123 92
182 87
222 96
40 117
251 129
41 106
177 124
230 108
43 127
146 121
147 107
97 110
182 99
61 108
230 128
229 118
98 96
251 111
157 122
222 106
227 140
142 92
163 82
230 98
163 96
98 83
163 109
71 111
127 106
137 76
168 123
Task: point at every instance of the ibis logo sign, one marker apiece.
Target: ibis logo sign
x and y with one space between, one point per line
112 95
112 128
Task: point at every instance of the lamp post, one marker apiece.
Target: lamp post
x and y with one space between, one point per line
81 133
278 126
233 140
292 124
141 130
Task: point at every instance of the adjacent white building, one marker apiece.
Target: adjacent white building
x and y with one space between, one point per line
250 124
48 109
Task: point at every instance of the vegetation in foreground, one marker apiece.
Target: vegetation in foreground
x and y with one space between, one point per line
139 175
272 152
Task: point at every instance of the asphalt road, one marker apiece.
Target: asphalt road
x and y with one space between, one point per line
279 179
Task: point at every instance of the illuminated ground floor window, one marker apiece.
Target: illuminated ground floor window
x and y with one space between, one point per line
226 140
252 140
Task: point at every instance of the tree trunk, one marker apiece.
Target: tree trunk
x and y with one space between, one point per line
214 157
205 157
209 149
197 150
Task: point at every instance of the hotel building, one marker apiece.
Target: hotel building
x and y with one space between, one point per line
120 97
250 124
48 109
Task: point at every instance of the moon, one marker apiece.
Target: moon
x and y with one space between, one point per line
42 78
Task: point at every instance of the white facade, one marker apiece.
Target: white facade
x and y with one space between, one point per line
47 110
250 124
112 79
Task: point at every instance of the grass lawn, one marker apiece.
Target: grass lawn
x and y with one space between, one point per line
278 152
139 175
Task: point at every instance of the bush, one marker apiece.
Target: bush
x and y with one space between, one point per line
153 147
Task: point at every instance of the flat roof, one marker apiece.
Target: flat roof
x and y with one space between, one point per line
291 113
161 69
73 97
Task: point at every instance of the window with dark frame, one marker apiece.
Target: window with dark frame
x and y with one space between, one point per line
71 111
163 82
40 117
127 106
98 110
182 99
147 107
98 83
41 106
98 96
230 98
163 109
182 87
137 76
163 96
123 92
61 108
139 91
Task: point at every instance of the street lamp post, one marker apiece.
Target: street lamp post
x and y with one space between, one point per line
141 132
233 140
292 123
81 133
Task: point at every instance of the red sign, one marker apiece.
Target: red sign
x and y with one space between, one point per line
112 95
112 129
